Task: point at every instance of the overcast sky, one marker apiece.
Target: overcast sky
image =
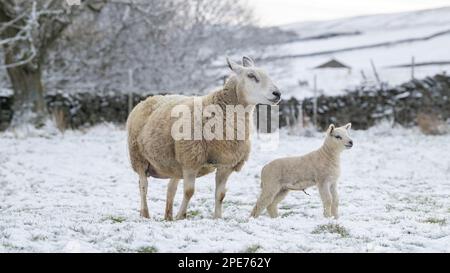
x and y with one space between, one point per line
278 12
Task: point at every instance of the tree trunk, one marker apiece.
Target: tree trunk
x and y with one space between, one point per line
25 79
28 91
29 103
28 88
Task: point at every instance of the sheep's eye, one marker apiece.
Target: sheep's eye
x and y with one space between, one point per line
253 77
338 137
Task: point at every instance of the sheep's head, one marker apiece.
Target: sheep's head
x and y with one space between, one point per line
254 86
338 137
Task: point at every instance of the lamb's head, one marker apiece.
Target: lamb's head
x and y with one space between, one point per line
253 85
338 137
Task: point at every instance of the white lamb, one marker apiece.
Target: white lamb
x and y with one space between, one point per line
320 167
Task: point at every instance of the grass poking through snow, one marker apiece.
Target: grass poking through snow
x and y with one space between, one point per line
116 219
439 221
147 249
253 248
331 228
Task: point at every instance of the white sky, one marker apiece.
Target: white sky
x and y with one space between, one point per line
278 12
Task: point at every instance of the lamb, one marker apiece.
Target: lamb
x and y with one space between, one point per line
155 152
320 167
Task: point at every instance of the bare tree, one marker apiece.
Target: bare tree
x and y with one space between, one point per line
27 30
169 44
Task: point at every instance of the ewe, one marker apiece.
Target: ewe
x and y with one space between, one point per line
155 152
320 167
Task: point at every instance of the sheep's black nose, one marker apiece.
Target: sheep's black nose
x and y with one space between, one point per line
276 94
351 142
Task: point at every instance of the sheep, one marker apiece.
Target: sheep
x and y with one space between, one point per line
320 167
155 152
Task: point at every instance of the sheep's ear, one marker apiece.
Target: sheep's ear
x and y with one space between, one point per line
348 126
247 61
235 67
331 129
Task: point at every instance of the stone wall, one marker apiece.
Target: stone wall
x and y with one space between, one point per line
364 108
87 109
6 106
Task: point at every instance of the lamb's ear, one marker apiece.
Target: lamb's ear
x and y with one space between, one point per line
331 129
235 67
247 61
348 126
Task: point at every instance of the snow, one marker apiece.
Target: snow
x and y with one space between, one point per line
390 21
77 193
4 92
387 37
364 39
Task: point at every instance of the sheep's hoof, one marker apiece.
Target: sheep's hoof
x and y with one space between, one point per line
273 212
254 214
335 213
326 214
181 216
145 214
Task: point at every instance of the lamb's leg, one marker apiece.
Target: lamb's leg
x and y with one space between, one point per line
272 209
189 188
143 186
325 195
267 196
335 200
171 191
222 175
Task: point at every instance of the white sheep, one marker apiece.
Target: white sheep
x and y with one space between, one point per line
320 167
155 152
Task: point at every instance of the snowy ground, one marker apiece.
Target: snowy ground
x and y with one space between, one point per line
77 193
374 30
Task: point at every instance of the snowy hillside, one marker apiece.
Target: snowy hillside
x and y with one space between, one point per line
414 19
389 40
77 192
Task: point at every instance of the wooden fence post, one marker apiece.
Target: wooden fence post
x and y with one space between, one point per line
130 90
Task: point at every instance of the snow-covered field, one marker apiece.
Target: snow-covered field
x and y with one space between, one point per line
77 193
386 39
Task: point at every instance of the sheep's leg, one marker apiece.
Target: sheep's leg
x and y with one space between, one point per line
171 191
267 196
272 209
143 186
335 200
325 195
189 188
222 175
